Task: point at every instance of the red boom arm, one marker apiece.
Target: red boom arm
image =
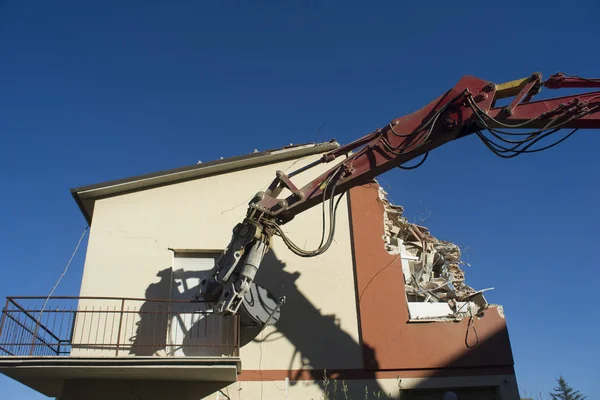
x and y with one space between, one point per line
465 109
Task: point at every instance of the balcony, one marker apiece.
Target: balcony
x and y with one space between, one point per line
77 338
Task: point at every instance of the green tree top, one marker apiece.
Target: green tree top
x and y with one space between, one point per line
565 392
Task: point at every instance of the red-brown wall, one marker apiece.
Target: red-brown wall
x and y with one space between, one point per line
389 341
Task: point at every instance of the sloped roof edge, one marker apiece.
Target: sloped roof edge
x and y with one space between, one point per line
85 196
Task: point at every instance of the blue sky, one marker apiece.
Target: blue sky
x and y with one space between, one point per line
105 90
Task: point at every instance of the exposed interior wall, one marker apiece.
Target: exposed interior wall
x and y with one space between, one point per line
128 256
433 269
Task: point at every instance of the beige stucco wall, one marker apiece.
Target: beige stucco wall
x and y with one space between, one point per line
131 236
491 387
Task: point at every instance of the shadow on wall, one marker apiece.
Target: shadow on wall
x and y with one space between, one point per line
319 341
317 338
152 328
182 327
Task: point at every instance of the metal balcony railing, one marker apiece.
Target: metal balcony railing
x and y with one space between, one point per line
111 326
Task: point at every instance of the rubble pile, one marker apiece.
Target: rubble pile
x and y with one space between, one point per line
432 267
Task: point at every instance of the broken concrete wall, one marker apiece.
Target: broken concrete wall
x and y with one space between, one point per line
433 269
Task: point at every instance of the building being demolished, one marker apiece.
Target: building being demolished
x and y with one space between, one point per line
433 277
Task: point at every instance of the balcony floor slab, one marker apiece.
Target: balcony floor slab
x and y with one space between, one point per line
48 375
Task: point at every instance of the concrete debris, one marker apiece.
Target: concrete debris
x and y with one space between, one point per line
432 267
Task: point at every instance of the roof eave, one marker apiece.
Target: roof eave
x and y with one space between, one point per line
90 193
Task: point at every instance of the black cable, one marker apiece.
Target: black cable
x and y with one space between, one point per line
423 136
323 215
469 325
400 134
532 139
579 77
500 153
421 127
227 397
524 123
397 151
520 146
332 217
416 165
303 253
323 219
479 112
553 144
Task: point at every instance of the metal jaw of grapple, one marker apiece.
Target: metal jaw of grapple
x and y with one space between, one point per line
235 269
